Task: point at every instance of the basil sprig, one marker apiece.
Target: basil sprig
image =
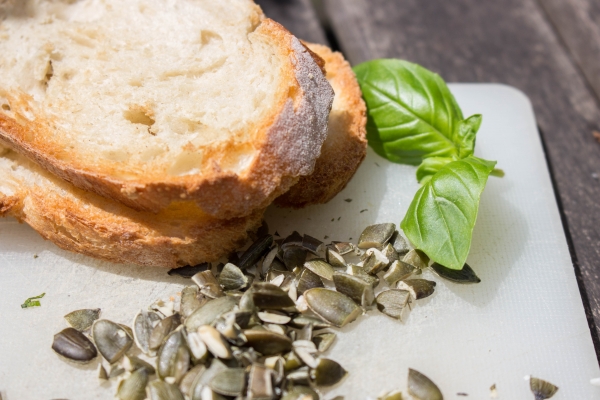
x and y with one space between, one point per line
413 118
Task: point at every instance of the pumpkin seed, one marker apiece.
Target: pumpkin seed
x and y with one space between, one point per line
270 297
230 382
160 390
247 302
74 345
232 278
276 365
300 393
376 236
302 320
189 271
227 326
418 288
133 363
206 393
210 311
268 343
259 248
112 339
198 349
292 362
305 349
542 389
327 373
465 275
188 379
215 342
390 253
102 375
313 245
393 302
300 376
143 325
335 259
134 387
308 280
295 239
305 333
260 385
191 300
396 395
416 258
208 284
399 270
294 257
375 261
274 317
82 320
162 330
399 243
358 271
422 387
321 268
173 358
333 307
198 390
323 341
354 287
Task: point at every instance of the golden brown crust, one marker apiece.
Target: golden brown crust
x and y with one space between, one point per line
346 143
287 144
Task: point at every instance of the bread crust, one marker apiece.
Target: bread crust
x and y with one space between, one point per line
346 144
286 146
86 223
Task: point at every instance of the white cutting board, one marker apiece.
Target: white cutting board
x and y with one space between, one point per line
525 317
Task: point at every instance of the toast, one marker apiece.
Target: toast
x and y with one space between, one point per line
346 143
148 102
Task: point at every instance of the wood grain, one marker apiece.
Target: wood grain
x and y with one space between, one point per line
511 42
298 16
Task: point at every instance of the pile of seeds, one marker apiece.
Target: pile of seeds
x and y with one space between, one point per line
257 326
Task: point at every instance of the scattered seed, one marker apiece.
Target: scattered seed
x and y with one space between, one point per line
399 243
215 342
313 245
335 259
133 363
390 253
465 275
112 339
74 345
260 383
274 317
399 270
343 247
134 386
173 357
376 236
209 312
308 280
102 375
396 395
270 297
255 252
323 341
162 329
208 284
321 268
300 376
116 370
416 258
333 307
302 320
300 393
189 271
232 278
422 387
375 262
393 302
188 379
82 320
293 257
418 288
542 389
354 287
143 325
191 300
327 373
268 343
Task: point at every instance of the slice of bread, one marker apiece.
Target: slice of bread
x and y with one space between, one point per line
153 101
346 143
86 223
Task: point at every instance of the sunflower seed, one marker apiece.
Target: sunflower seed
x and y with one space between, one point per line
274 317
82 320
399 270
375 262
465 275
295 239
232 278
173 357
354 287
208 284
294 257
323 341
300 393
333 307
327 373
277 281
416 258
191 300
260 385
268 343
133 363
161 330
74 345
189 271
422 387
321 268
143 325
209 312
111 339
393 302
230 382
399 243
160 390
376 236
418 288
134 387
259 248
267 296
542 389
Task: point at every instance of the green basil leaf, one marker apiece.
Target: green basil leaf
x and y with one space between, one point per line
467 130
411 113
430 166
32 301
441 217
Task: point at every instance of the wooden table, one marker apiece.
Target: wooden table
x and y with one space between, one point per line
550 49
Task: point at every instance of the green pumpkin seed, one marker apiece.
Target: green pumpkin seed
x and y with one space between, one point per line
189 271
208 284
358 271
295 239
323 341
133 363
270 297
209 312
292 362
321 268
418 288
305 350
188 379
465 275
74 345
191 300
82 320
112 339
333 307
162 330
160 390
422 387
143 325
215 342
300 393
335 259
354 287
416 258
301 376
399 243
230 382
396 395
393 302
398 271
375 262
258 249
294 257
327 373
542 389
134 387
268 343
390 253
260 385
232 278
376 236
313 245
308 280
173 357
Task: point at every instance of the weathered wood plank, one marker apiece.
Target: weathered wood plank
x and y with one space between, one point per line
512 42
578 23
298 16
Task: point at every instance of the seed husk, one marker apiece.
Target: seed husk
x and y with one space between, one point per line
302 320
210 311
399 243
300 392
260 385
259 248
418 288
188 379
274 317
321 268
268 343
416 258
354 287
375 262
399 270
208 284
395 395
160 390
333 307
230 382
162 330
270 297
133 363
343 248
465 275
112 339
191 300
189 271
173 357
82 320
308 280
327 373
313 245
422 387
542 389
323 341
74 345
143 325
295 239
134 386
294 257
376 236
232 278
393 302
335 259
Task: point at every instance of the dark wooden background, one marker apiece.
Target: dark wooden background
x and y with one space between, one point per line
550 49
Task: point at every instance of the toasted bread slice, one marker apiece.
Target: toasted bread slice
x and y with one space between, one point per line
86 223
148 102
346 143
